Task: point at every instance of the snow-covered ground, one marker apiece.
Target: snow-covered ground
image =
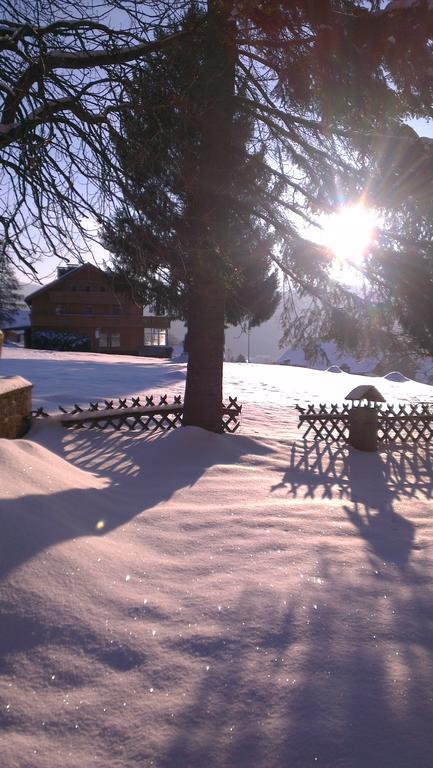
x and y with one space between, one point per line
189 600
267 392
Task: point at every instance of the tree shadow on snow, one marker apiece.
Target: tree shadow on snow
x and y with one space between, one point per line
141 471
372 482
322 691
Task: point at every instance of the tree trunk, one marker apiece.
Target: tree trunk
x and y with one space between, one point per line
203 393
209 216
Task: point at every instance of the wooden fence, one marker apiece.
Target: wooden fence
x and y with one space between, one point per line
408 422
137 413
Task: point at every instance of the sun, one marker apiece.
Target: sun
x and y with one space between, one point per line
348 234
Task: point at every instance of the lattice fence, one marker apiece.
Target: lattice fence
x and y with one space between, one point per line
137 413
408 422
325 422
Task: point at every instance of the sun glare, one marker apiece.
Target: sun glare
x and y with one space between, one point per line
348 233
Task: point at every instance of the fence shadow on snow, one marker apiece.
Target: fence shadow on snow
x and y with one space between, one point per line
371 483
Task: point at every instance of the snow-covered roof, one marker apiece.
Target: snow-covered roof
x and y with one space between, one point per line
366 392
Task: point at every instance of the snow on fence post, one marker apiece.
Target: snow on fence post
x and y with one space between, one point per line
363 421
15 406
146 415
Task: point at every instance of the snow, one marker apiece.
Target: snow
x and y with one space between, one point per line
297 357
187 599
365 392
396 376
267 392
11 383
337 361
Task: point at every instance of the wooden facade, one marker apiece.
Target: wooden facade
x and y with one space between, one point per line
89 302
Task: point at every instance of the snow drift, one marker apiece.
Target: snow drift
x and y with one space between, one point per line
189 599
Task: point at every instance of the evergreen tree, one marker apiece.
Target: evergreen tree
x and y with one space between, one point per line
8 291
159 151
400 266
390 313
319 82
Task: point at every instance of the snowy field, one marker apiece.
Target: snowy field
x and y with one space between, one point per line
190 600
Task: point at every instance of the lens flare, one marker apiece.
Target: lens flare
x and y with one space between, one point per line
349 233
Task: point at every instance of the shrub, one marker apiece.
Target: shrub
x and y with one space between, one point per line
60 340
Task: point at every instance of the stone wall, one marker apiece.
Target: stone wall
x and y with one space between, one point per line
15 406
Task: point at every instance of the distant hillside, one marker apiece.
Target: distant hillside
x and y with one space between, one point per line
420 370
264 340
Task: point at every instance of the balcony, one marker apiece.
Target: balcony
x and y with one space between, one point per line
85 321
83 297
95 319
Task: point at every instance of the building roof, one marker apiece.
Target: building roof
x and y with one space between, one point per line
53 283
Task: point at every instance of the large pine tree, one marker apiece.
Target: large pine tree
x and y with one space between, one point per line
318 83
159 152
321 83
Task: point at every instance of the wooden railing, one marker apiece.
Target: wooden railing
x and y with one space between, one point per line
137 413
407 422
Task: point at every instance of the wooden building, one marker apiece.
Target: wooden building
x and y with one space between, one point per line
88 302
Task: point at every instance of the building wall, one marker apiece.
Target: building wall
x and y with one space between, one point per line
86 303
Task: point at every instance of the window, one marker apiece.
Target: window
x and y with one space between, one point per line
154 309
155 337
88 310
109 340
116 309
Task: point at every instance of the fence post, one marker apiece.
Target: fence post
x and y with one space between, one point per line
363 419
363 428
